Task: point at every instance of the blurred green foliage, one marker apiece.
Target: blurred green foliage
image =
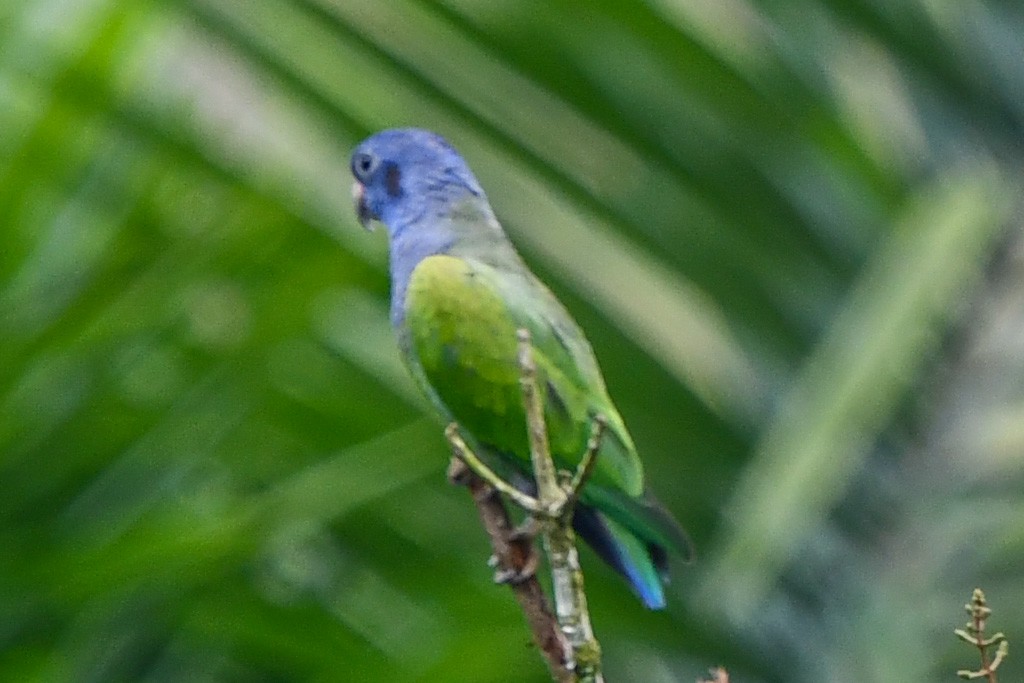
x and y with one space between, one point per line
791 229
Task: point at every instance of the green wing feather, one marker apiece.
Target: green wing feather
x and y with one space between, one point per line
462 315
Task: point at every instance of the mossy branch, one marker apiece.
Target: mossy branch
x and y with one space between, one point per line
551 512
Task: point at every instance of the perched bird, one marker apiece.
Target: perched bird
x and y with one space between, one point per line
459 293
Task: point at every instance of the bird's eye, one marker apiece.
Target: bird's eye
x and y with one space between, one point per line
363 165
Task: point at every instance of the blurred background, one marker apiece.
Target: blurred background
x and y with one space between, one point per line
791 229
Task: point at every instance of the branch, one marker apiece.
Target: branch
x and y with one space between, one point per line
516 557
570 648
557 505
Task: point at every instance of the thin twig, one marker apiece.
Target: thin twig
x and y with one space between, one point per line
974 634
466 454
557 534
717 675
586 466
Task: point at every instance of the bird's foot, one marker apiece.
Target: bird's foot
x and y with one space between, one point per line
516 575
458 472
527 531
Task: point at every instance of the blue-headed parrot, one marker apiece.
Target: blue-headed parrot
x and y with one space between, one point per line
459 293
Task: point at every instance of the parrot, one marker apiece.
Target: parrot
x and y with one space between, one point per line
459 293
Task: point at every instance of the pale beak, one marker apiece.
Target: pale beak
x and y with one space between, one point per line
363 213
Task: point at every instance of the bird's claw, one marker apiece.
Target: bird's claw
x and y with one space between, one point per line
458 472
515 576
527 531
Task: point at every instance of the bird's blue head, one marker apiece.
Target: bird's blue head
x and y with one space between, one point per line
405 174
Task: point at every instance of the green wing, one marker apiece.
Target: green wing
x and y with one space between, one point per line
461 319
463 315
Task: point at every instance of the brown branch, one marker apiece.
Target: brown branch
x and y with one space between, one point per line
516 557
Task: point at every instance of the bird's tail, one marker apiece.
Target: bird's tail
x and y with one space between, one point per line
643 565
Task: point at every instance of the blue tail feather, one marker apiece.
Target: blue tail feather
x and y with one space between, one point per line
641 565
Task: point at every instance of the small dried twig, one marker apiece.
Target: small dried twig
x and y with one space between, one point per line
466 455
716 675
586 466
552 511
974 634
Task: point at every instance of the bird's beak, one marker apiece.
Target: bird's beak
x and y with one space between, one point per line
363 213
